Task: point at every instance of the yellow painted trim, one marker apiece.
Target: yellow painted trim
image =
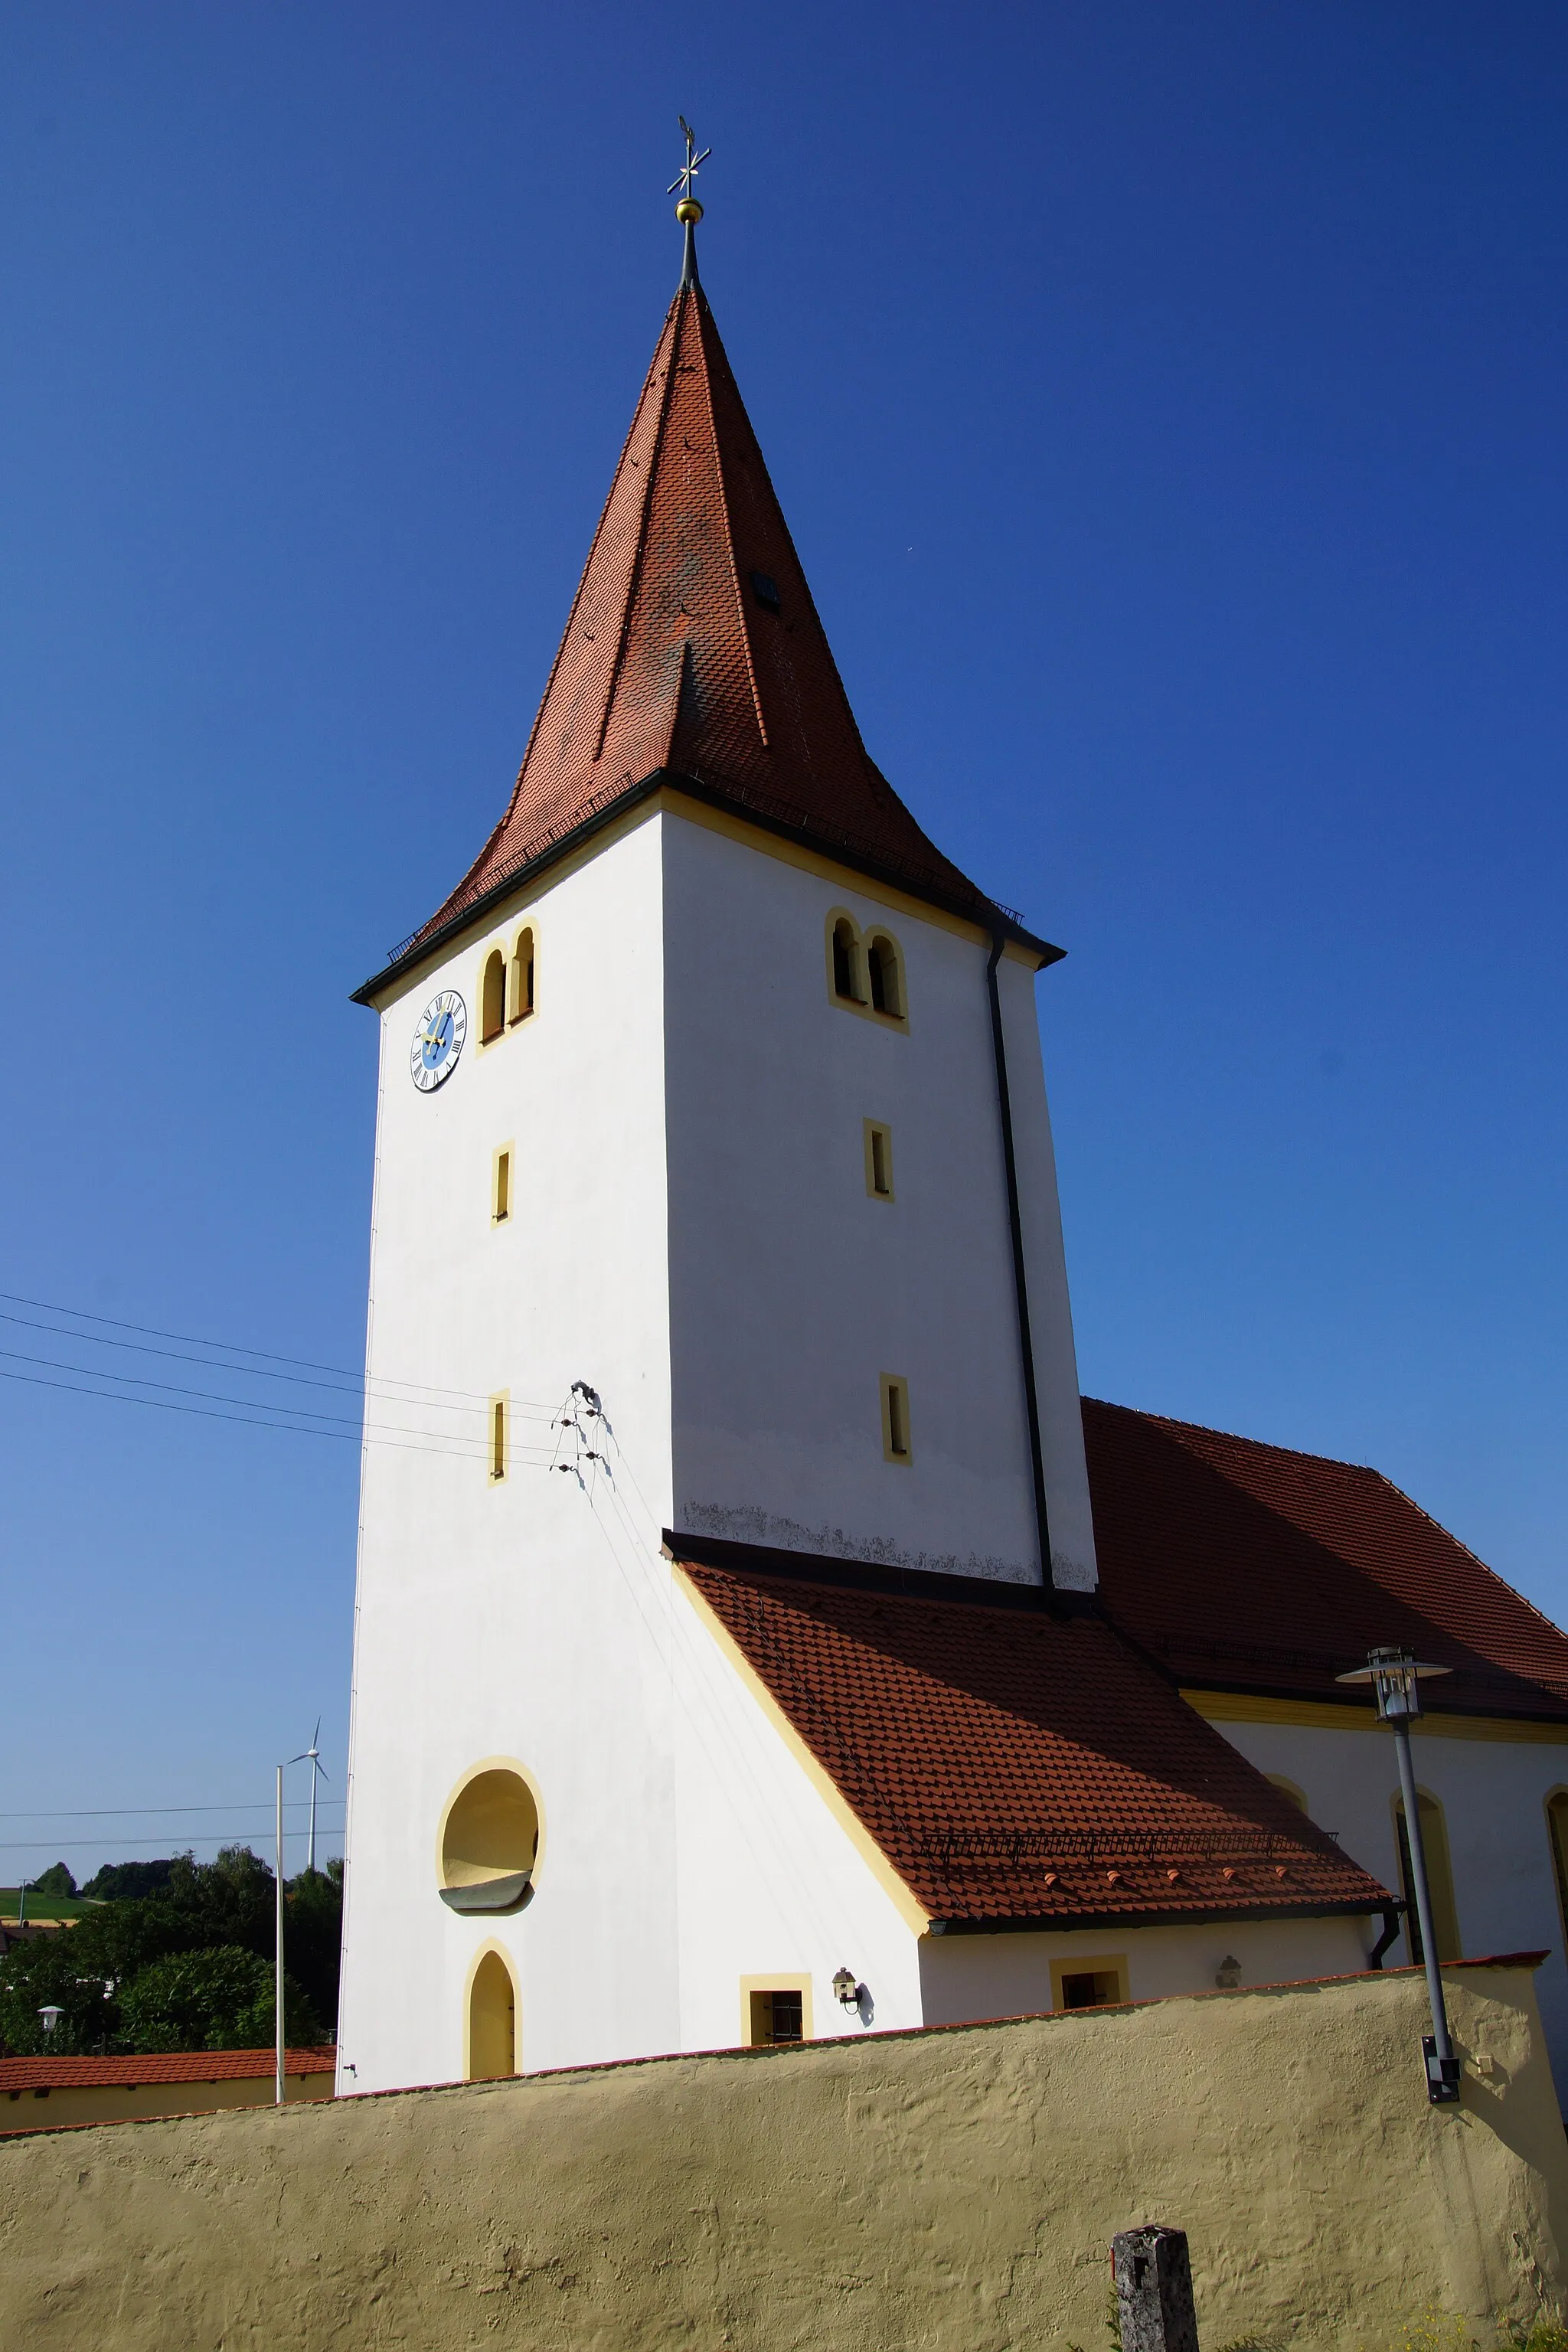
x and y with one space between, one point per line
872 1128
891 1381
475 1965
859 941
1322 1715
499 1403
1092 1964
842 878
914 1914
781 1980
489 1764
668 802
506 1151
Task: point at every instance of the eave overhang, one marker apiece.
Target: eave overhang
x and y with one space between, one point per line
986 914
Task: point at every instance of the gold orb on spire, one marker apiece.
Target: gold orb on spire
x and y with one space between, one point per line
688 212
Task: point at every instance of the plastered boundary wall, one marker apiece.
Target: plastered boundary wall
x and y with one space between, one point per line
954 2188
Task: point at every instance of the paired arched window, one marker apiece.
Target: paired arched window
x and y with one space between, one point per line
866 970
509 985
1439 1879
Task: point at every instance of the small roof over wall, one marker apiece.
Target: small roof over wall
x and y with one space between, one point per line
158 2066
1014 1765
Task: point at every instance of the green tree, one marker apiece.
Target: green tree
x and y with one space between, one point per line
47 1969
118 1881
313 1934
56 1880
221 1999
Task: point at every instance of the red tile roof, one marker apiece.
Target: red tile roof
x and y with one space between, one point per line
1012 1764
1246 1567
165 2066
672 662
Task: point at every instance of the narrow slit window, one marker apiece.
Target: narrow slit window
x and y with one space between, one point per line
492 997
501 1192
499 1416
1557 1830
878 1160
895 1418
844 959
522 976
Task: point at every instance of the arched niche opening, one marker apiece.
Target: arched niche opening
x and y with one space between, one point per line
490 1843
492 2020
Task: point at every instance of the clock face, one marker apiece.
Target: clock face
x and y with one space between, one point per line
437 1040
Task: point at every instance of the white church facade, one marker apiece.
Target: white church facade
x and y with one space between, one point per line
732 1661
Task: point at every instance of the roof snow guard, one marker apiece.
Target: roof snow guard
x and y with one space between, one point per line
694 657
1017 1767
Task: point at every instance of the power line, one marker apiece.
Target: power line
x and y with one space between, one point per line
448 1442
357 1382
107 1812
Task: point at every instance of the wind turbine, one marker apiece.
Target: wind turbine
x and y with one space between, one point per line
313 1756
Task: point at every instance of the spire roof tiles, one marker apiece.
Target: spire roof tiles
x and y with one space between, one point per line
694 652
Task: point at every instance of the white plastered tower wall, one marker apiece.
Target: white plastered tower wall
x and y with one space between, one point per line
691 1232
493 1618
793 1291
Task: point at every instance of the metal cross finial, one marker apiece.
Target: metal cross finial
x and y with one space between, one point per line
692 164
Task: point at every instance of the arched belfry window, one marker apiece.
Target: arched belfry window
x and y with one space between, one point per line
492 997
866 971
846 961
886 980
522 968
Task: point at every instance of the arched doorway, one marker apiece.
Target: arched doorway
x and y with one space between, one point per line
492 2020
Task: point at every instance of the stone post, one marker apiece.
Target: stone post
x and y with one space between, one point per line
1153 2290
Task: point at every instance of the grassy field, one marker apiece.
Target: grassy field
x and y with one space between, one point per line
43 1906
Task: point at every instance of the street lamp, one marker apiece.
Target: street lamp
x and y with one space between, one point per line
52 2014
1396 1676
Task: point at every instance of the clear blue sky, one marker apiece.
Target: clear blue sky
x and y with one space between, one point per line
1169 406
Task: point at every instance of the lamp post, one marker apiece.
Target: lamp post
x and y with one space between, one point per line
1396 1676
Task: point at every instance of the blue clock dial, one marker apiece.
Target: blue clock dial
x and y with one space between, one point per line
439 1036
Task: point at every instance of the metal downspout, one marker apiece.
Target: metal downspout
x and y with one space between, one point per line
1020 1280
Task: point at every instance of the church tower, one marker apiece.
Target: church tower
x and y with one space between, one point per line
715 1219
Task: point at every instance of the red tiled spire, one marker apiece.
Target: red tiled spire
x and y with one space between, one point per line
693 648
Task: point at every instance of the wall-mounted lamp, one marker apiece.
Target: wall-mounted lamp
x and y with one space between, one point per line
847 1990
1227 1976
